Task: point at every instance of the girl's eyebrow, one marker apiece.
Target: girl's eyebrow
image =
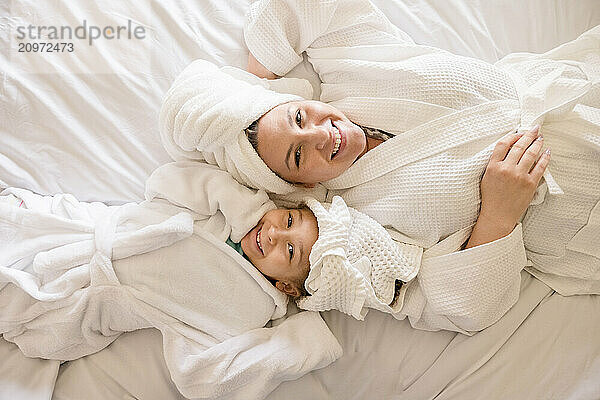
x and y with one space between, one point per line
287 157
301 253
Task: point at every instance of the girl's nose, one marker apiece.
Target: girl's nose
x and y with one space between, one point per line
273 234
277 233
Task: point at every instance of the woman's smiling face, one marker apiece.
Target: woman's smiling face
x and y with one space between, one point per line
308 142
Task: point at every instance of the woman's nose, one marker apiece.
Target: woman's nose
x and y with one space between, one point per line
319 137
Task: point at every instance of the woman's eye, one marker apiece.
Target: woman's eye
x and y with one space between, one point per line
291 251
297 157
289 224
299 118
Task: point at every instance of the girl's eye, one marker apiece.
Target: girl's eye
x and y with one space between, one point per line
299 118
291 251
297 157
289 224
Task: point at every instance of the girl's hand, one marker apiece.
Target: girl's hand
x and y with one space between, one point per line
256 68
508 185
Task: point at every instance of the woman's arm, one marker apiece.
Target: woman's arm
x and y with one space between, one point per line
277 32
256 68
508 185
467 291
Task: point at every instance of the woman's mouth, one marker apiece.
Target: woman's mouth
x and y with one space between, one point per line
338 140
260 249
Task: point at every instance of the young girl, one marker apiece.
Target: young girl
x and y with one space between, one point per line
74 276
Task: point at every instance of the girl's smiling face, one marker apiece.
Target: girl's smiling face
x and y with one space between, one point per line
308 142
279 246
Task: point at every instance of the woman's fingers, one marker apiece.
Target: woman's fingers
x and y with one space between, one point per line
531 155
540 167
503 146
518 149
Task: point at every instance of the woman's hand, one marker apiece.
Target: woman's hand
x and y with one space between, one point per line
508 185
256 68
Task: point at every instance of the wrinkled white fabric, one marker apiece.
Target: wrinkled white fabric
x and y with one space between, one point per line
74 276
447 113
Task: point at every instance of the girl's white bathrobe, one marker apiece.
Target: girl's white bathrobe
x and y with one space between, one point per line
447 112
74 276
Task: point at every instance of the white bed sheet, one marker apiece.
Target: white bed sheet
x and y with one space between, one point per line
546 348
95 135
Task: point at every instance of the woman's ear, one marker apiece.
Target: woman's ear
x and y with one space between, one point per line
287 288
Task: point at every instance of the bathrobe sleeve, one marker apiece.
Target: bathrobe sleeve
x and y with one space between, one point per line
208 191
277 32
250 365
466 290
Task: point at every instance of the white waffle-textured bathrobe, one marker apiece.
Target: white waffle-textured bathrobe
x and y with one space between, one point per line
74 276
447 112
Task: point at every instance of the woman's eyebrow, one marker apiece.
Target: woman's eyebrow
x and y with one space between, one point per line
290 118
291 122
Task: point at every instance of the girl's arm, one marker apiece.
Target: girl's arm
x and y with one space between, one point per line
252 364
508 185
206 190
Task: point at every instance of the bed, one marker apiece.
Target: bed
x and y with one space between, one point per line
86 124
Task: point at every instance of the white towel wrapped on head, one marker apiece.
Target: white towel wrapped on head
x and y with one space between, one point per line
354 264
206 110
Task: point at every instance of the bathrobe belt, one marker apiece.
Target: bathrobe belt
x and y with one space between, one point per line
108 245
85 257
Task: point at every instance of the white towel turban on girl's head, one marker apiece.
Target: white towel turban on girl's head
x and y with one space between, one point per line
206 110
354 264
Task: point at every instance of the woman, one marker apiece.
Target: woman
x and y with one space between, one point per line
446 115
